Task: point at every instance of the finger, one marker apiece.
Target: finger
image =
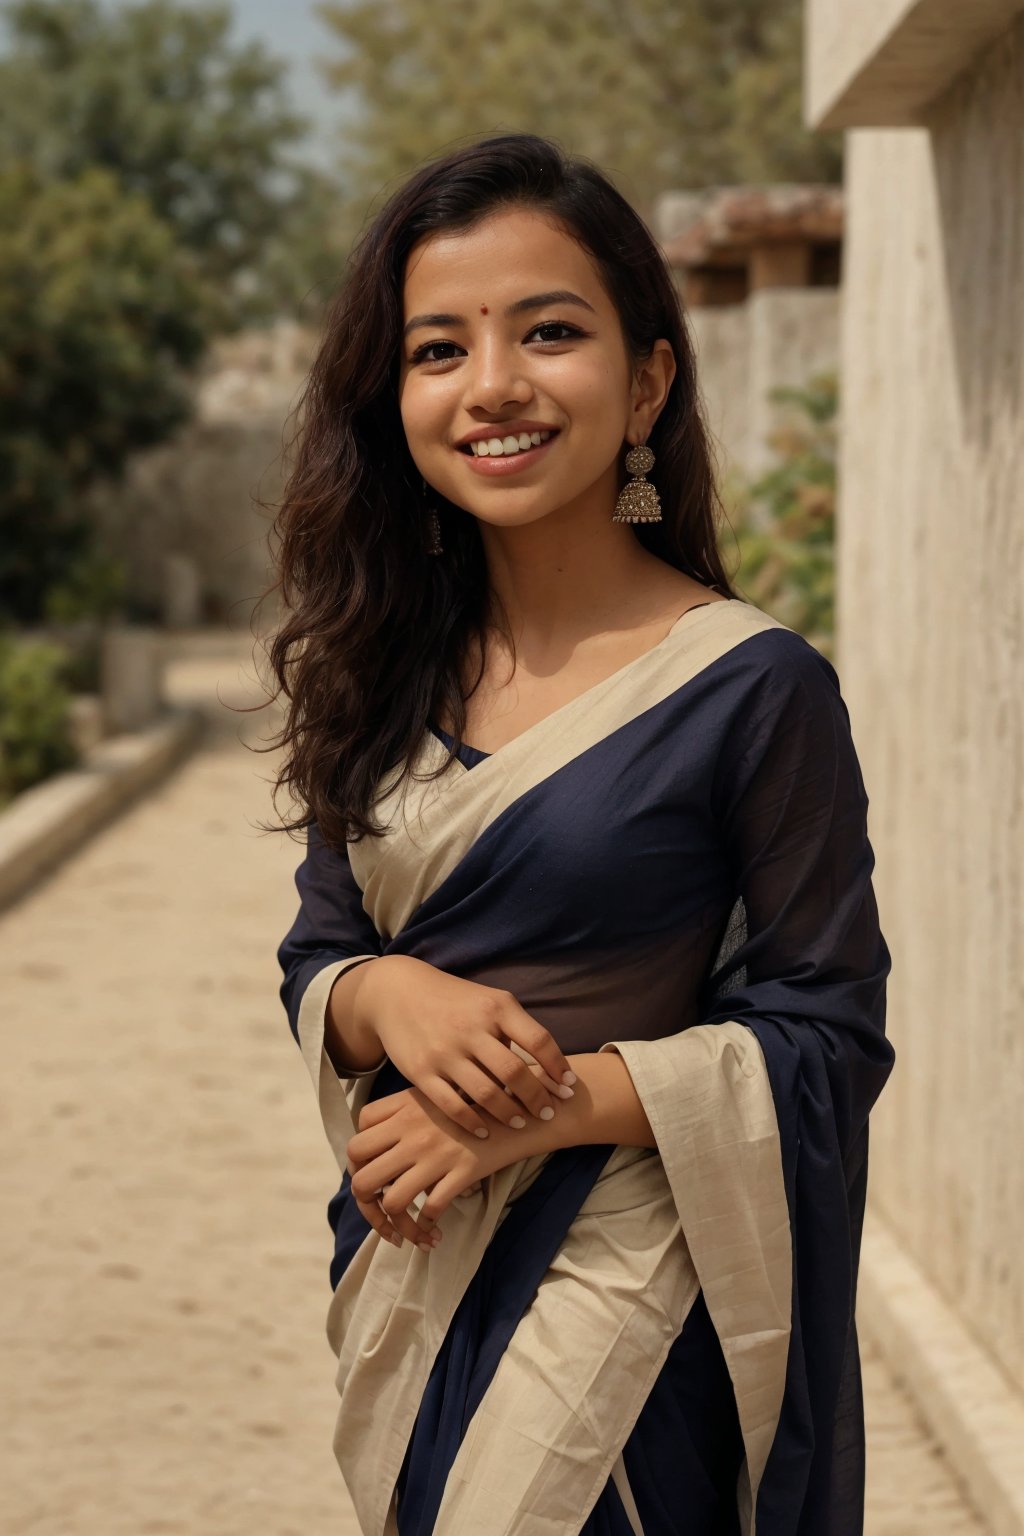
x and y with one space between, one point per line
397 1199
391 1223
447 1098
517 1078
377 1172
489 1094
560 1090
533 1037
368 1184
378 1220
376 1110
371 1143
442 1194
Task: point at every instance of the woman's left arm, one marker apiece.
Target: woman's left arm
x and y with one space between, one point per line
606 1109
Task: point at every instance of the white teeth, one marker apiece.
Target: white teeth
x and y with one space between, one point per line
491 447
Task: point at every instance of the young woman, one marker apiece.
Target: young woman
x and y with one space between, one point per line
587 969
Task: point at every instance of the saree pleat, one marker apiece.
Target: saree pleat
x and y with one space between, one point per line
630 1341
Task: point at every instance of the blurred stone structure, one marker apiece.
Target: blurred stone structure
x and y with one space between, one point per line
758 269
931 653
188 519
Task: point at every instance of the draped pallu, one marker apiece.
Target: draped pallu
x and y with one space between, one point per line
626 1341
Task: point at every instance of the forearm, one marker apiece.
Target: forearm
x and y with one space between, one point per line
606 1108
351 1042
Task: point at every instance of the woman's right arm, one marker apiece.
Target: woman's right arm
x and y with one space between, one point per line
447 1035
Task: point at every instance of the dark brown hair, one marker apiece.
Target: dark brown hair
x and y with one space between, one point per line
375 628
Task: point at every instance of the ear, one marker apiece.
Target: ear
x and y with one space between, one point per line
649 389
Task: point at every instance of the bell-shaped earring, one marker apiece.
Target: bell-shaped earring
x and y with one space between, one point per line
433 545
638 501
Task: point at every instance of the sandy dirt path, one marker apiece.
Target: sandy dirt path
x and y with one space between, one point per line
163 1284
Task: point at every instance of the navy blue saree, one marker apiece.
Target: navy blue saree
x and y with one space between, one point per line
623 1341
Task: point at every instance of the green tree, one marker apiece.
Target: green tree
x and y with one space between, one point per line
158 94
100 311
785 519
661 93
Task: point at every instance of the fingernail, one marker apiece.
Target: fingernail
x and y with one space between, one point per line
566 1093
397 1239
481 1131
547 1113
426 1247
518 1122
569 1077
436 1235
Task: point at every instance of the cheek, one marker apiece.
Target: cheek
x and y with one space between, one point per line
426 412
590 389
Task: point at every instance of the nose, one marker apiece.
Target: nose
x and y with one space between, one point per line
496 376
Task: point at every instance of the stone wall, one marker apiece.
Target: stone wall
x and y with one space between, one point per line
192 516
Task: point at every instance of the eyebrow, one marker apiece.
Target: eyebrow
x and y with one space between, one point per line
535 301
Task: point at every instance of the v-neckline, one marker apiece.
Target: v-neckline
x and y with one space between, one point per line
481 756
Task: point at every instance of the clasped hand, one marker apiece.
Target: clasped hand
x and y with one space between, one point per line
406 1146
451 1040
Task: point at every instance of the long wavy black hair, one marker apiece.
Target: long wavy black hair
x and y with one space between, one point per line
374 628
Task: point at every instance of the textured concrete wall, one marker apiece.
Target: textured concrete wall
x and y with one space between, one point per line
931 655
882 62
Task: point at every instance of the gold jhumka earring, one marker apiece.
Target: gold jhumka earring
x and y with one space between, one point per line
638 501
433 524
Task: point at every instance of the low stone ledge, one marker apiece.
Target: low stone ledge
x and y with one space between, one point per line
47 822
967 1402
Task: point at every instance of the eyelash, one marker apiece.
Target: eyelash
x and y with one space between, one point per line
419 356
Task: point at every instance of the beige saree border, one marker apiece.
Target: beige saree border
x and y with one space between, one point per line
708 1098
440 819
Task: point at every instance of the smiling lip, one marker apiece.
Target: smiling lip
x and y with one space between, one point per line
507 463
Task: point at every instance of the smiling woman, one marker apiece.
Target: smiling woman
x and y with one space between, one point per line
594 1006
523 364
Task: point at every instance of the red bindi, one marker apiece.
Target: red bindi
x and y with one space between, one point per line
483 309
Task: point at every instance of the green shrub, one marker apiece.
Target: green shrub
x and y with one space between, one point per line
35 730
787 555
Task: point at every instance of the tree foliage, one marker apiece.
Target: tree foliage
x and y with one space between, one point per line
661 93
100 309
159 95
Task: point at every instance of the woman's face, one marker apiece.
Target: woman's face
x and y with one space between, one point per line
510 334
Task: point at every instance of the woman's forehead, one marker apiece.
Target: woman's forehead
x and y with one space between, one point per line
504 255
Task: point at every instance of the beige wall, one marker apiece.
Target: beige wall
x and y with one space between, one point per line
931 656
778 336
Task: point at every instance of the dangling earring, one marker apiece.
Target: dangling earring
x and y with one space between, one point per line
638 500
433 525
